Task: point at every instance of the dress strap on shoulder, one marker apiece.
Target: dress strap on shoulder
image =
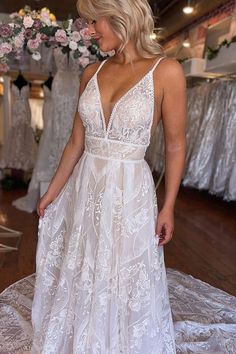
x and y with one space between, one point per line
100 66
157 63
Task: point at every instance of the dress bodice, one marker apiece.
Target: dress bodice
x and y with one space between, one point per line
129 124
21 112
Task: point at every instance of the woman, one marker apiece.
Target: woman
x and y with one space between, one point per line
101 281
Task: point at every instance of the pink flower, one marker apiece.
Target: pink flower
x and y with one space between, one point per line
4 67
37 24
65 43
28 33
84 61
85 34
33 44
28 21
44 37
5 48
60 36
5 30
79 24
76 37
18 41
14 15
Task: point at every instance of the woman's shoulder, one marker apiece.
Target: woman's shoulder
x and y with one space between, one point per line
169 68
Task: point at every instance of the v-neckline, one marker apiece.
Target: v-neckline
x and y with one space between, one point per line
107 124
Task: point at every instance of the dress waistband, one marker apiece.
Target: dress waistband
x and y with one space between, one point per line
114 150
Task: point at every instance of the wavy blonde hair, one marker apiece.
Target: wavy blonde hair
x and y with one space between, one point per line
131 20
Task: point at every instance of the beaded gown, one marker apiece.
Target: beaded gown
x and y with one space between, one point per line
100 276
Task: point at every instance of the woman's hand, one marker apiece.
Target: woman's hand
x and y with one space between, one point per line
165 226
43 203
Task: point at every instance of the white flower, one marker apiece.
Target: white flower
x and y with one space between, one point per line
28 21
83 50
76 36
73 45
36 56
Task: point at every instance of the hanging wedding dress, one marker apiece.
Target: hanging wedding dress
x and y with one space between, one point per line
199 171
225 148
20 148
29 202
65 93
101 280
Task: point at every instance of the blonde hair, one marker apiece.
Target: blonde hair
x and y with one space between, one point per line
131 20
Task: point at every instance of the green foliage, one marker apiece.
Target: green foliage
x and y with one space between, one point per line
213 52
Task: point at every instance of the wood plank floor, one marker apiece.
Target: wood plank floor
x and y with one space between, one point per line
204 243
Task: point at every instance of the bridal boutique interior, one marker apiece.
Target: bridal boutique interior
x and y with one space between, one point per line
39 90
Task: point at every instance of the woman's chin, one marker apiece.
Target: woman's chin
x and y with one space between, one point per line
105 48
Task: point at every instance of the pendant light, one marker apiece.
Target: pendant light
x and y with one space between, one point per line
188 9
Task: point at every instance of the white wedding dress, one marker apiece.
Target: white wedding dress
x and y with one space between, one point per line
29 201
20 148
101 280
65 93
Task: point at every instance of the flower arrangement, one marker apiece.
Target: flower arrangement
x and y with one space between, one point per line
29 28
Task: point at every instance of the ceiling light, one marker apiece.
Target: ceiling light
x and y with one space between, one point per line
186 43
188 9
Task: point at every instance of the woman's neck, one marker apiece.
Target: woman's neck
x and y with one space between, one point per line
129 55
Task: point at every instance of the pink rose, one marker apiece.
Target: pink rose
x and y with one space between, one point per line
33 44
60 36
4 67
28 33
76 37
5 48
79 24
18 42
85 34
44 37
5 30
28 21
65 43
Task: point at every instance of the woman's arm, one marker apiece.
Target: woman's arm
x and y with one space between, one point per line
174 124
71 154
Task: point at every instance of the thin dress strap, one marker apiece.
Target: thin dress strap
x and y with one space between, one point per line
100 66
157 63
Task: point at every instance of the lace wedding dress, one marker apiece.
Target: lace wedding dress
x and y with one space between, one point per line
29 201
65 93
101 280
20 148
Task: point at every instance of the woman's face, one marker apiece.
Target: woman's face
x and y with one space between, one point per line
104 34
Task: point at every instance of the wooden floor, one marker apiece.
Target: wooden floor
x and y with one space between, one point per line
204 243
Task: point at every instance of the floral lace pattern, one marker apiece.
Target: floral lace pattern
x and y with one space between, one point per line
204 318
101 281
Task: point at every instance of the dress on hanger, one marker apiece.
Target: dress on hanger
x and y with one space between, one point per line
20 148
65 93
29 201
101 279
